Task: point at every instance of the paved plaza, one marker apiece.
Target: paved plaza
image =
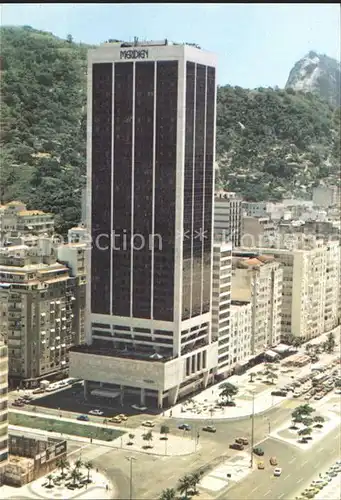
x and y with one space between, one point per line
233 470
99 488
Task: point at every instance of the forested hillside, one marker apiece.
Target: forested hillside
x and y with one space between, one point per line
274 143
269 142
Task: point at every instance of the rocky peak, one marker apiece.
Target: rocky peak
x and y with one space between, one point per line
319 74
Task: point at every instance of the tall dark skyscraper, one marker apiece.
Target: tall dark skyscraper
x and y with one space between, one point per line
151 145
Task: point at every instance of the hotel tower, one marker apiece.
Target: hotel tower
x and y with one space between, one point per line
150 160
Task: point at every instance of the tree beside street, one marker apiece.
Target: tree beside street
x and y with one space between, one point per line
227 391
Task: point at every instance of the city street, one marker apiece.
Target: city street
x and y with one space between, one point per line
298 469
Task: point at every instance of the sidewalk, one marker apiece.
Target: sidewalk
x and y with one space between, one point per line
173 446
35 490
203 405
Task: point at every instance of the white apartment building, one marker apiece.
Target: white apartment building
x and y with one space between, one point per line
240 332
255 209
221 301
227 218
3 407
304 286
258 279
15 219
332 286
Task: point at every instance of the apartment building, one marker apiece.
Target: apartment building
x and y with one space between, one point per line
15 219
258 279
150 158
255 209
221 302
332 286
227 218
326 196
241 333
3 408
258 232
40 315
304 286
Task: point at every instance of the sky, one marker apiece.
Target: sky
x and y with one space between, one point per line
256 44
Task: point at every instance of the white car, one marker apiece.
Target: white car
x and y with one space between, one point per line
96 412
277 472
148 423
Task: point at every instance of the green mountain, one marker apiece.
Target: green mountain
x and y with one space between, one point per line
275 143
269 142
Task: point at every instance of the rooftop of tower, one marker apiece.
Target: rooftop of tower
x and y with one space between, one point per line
146 43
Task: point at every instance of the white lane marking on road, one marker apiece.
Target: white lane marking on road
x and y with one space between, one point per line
321 449
292 460
304 463
267 493
300 480
254 489
282 495
286 477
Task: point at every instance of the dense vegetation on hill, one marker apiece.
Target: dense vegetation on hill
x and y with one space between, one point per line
273 143
43 121
269 142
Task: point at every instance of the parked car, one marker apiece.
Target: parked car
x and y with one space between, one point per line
277 472
258 451
242 441
273 461
260 465
184 427
123 417
148 423
209 428
236 446
139 408
19 404
96 412
84 418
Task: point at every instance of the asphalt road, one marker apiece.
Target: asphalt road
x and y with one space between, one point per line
299 468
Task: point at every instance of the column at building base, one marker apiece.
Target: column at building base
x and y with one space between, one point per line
143 397
205 379
86 389
173 395
121 394
160 399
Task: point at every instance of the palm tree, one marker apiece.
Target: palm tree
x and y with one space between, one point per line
78 463
49 478
89 466
228 390
131 437
330 344
62 464
148 436
307 421
195 480
304 410
168 494
271 375
185 483
75 475
251 375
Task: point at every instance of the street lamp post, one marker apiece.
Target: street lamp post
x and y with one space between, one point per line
252 428
130 459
